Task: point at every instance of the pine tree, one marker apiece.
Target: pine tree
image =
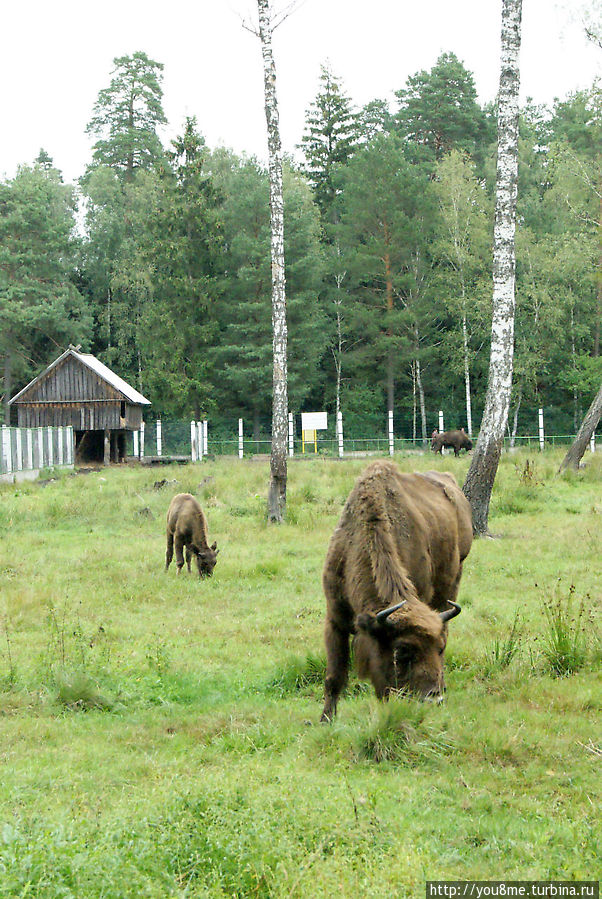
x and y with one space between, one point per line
439 110
127 114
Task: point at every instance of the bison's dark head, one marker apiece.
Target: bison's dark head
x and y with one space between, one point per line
467 444
205 559
405 651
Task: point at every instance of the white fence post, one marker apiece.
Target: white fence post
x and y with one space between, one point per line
70 444
159 438
136 444
340 432
28 449
391 438
40 447
18 450
291 436
7 453
441 425
240 440
60 444
193 447
199 440
50 448
204 436
142 426
541 433
592 442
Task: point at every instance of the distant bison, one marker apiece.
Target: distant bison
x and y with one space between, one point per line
456 439
391 579
187 527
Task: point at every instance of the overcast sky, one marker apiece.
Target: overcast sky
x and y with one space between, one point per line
57 54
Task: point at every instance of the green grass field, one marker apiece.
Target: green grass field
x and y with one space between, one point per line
160 735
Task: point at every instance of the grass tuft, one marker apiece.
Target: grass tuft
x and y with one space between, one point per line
297 674
504 649
397 731
569 636
78 691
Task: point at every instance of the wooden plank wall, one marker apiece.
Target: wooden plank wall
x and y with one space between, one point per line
74 395
80 416
71 382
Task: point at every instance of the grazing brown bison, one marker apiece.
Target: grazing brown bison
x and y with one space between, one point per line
187 527
456 439
391 579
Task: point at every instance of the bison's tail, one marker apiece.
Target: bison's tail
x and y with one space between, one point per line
390 579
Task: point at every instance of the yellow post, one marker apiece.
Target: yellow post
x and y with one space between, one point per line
315 442
303 441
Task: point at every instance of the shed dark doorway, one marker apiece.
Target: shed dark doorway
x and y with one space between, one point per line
89 446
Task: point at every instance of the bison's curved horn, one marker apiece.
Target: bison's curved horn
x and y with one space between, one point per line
450 613
382 616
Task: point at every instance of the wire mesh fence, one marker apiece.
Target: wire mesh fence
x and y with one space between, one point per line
222 439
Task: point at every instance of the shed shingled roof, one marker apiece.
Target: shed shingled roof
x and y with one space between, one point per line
90 361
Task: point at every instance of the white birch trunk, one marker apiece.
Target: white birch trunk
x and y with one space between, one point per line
414 402
278 470
485 460
419 385
515 421
588 427
467 376
337 351
422 402
338 354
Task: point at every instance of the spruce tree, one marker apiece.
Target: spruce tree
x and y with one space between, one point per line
182 248
328 142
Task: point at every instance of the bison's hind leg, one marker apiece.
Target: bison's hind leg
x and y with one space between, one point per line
169 552
188 557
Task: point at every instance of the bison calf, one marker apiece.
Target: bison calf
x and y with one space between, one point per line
187 527
391 579
456 439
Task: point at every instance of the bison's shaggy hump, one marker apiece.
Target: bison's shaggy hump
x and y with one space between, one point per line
401 539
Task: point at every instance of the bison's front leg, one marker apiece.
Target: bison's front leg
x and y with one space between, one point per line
337 652
179 554
188 558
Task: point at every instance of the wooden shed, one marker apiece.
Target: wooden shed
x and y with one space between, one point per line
77 389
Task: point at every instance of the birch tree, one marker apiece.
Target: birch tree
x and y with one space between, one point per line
588 426
278 469
485 460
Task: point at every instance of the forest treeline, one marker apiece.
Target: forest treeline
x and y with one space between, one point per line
158 260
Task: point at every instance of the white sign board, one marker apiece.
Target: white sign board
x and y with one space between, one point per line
314 421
